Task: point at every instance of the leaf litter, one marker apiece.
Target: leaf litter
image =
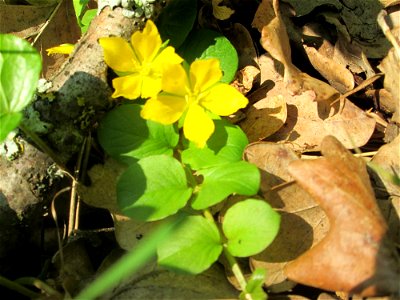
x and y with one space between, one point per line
338 232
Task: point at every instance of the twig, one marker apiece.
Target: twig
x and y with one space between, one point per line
12 285
47 22
40 285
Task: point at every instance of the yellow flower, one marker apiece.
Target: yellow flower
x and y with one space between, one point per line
62 49
140 63
194 96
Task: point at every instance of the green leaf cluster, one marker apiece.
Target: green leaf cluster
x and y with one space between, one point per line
20 67
175 24
168 176
165 177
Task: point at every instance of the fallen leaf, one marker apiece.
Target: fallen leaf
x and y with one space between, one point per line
245 79
221 12
387 161
308 121
385 167
275 40
390 65
265 117
355 256
102 192
303 223
27 21
336 73
241 39
350 54
129 232
29 25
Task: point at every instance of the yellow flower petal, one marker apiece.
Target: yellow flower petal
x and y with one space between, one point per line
224 100
151 86
118 54
204 73
197 126
166 57
174 80
61 49
127 86
164 109
146 44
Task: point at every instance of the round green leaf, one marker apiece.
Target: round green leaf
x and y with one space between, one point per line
153 188
20 67
205 43
225 145
250 226
8 122
219 182
176 21
126 136
192 248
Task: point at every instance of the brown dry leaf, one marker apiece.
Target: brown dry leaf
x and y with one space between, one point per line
221 12
102 192
308 121
336 73
387 3
33 19
265 117
27 21
245 78
303 223
387 160
350 54
390 65
129 232
241 39
355 256
249 71
275 40
386 165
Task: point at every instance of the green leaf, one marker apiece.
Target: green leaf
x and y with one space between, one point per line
219 182
192 248
225 145
126 136
8 122
205 43
20 67
250 226
254 287
79 6
153 188
87 18
176 20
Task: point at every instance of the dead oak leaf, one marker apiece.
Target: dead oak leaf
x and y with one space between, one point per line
303 223
355 256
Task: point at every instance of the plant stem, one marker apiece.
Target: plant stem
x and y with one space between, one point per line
42 145
230 258
40 285
12 285
235 269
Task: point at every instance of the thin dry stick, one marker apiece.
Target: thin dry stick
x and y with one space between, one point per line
73 206
47 22
54 215
361 86
386 30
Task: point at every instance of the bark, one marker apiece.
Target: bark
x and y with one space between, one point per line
81 90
